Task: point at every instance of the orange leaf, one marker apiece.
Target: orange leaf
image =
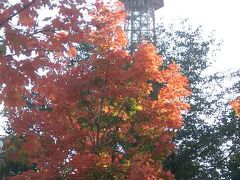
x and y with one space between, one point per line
72 51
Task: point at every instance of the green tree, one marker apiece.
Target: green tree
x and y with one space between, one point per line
198 153
229 129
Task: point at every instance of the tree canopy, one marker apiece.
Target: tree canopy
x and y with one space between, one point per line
95 118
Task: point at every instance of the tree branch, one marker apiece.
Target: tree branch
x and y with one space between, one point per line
16 13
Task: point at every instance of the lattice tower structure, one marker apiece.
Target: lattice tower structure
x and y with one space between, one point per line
140 22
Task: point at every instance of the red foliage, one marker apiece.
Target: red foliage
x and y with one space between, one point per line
96 118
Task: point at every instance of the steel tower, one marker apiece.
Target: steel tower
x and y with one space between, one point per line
140 22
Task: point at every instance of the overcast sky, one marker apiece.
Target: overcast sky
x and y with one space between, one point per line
220 15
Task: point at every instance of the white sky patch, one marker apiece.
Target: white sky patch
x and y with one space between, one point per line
220 15
2 122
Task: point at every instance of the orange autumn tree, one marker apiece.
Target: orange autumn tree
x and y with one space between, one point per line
236 106
96 119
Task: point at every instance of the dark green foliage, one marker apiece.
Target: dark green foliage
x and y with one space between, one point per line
198 154
156 88
187 46
83 53
229 129
234 166
204 150
10 167
182 165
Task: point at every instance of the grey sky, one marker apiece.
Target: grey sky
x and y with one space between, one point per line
220 15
